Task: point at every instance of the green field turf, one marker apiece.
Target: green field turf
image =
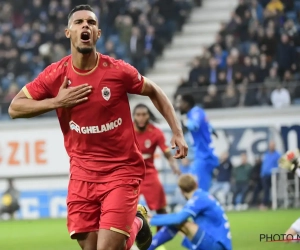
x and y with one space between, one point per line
245 228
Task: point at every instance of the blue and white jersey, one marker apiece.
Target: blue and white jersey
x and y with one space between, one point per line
197 123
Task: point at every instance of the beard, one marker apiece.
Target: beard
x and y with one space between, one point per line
85 50
141 128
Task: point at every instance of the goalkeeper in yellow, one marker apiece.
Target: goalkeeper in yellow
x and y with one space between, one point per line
9 202
290 161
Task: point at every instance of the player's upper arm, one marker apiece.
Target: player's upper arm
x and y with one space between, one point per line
41 87
133 80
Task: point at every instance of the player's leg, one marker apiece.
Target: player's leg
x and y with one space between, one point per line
216 187
203 173
199 239
83 214
204 177
293 230
119 223
164 235
87 241
154 194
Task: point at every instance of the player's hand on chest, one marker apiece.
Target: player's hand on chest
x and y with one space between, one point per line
105 92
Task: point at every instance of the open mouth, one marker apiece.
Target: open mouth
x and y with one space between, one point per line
85 37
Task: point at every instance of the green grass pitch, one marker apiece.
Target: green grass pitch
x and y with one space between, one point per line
245 228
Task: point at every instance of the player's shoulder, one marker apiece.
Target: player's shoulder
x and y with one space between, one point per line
124 67
59 68
201 194
197 109
110 62
155 129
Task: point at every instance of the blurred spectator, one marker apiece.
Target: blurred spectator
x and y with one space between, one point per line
270 162
255 181
221 186
280 97
268 43
257 10
262 96
272 80
246 97
285 55
124 26
137 48
212 100
230 97
275 6
263 68
10 200
213 71
241 176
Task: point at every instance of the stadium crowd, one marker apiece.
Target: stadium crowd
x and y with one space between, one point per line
254 60
32 34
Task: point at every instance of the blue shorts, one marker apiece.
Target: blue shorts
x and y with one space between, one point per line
202 241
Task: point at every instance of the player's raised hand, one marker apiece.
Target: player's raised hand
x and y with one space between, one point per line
179 143
70 97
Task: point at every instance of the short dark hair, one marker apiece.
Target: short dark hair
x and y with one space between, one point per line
152 116
189 99
78 8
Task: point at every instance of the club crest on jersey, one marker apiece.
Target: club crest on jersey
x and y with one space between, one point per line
147 144
106 93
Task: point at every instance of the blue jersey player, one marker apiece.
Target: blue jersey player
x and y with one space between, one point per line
197 123
209 228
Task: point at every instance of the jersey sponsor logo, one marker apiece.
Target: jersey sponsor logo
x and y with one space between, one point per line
106 93
147 143
95 129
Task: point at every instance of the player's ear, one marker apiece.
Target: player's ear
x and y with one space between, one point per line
99 33
67 33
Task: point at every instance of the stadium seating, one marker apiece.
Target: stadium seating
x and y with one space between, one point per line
32 35
254 60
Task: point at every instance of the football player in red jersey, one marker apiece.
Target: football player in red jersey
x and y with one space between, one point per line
149 138
89 90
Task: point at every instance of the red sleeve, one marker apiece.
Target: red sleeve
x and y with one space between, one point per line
42 86
162 141
132 79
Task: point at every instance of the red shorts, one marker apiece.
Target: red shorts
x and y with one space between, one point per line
153 191
94 206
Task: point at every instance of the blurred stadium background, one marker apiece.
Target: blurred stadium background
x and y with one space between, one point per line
239 59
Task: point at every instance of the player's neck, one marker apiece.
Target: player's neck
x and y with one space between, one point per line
190 194
84 61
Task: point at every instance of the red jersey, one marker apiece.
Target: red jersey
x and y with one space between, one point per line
98 135
148 141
